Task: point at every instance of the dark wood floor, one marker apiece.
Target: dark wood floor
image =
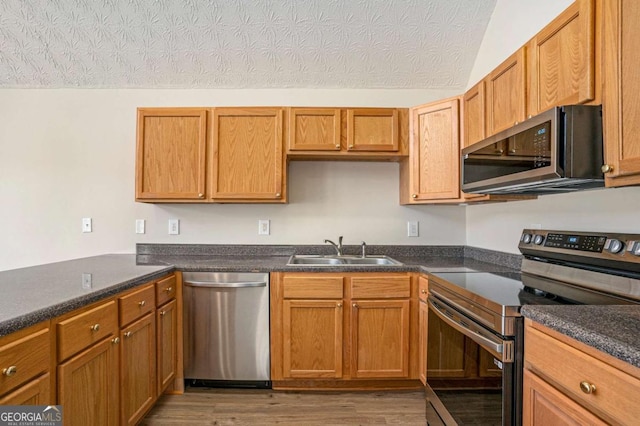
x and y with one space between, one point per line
205 406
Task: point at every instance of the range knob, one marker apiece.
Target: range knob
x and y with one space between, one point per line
614 246
633 247
526 238
538 239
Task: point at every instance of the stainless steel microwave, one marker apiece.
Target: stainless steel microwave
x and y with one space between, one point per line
559 150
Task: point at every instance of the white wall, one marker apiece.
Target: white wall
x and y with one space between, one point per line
67 154
498 226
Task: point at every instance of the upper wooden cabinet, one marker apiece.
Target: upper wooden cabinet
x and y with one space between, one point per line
247 160
434 164
561 60
314 129
170 159
348 133
473 113
621 92
372 129
506 94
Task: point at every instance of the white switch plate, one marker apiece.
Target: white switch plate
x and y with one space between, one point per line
86 224
86 281
263 227
139 226
413 228
174 226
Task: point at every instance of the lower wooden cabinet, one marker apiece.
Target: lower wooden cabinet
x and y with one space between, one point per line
312 335
351 330
380 338
138 368
167 344
544 405
88 385
35 392
567 382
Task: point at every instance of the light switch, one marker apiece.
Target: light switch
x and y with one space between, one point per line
412 228
174 226
263 227
86 224
139 226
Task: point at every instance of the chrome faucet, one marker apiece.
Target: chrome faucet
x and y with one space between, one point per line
338 246
364 249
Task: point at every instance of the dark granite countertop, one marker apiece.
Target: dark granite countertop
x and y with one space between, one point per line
612 329
34 294
37 293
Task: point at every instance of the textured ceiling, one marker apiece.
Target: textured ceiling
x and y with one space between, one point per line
425 44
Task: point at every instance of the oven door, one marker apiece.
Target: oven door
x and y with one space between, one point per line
463 394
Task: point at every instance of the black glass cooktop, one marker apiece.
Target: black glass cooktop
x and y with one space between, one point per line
505 288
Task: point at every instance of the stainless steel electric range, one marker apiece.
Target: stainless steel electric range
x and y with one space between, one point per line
475 340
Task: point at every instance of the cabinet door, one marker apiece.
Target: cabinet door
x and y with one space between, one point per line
422 352
170 159
247 154
35 392
312 338
506 94
435 152
544 405
314 129
473 113
379 342
167 322
621 108
561 60
138 370
373 129
88 386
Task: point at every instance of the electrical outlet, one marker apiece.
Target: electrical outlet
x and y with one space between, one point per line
86 224
263 227
412 228
174 226
139 226
87 281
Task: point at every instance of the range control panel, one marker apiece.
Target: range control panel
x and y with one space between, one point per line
608 246
593 243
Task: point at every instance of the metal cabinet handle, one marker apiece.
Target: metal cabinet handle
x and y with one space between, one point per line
337 146
115 340
606 168
339 305
423 291
587 387
355 305
9 371
350 146
278 194
142 303
414 195
128 334
168 289
200 195
163 313
95 327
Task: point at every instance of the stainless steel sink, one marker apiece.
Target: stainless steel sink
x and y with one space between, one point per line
316 260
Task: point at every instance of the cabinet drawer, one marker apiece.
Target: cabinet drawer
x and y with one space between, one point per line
85 329
380 287
423 288
312 287
566 367
23 359
165 290
136 304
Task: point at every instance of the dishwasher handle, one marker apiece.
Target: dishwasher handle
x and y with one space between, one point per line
220 284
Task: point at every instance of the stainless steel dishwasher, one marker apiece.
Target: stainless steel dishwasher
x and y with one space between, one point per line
226 330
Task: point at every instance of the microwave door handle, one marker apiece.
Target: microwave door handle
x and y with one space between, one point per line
495 348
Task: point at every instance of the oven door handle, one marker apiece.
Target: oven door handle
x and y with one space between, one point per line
501 349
